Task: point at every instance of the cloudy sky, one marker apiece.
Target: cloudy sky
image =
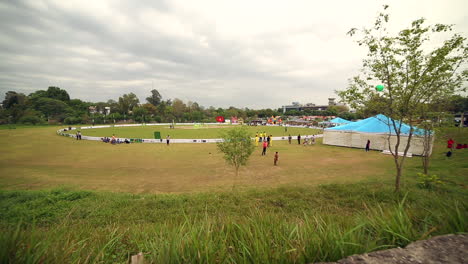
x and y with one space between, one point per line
220 53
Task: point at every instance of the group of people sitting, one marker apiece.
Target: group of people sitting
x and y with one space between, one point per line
451 144
114 140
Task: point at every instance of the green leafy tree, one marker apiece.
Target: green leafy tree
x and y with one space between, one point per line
51 108
237 146
57 93
127 102
140 113
13 98
413 74
155 98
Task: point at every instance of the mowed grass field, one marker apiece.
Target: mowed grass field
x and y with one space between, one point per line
38 159
103 203
190 131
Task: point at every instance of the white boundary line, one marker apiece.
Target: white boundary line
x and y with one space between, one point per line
62 132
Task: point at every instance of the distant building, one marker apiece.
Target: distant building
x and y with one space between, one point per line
310 106
293 106
92 109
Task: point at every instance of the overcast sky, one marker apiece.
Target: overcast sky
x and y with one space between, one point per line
251 53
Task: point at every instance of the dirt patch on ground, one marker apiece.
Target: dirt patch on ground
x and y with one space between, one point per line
439 249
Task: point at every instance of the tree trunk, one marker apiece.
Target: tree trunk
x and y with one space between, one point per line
235 177
398 176
426 163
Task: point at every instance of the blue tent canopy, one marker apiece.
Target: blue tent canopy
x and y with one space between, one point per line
339 120
377 124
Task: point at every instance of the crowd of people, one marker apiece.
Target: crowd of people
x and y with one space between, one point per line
114 140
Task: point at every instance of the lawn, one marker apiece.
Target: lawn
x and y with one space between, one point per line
37 159
190 131
102 203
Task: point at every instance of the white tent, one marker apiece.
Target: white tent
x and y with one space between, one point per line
378 129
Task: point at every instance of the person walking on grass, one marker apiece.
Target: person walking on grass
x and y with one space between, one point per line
299 139
168 138
367 145
276 158
289 138
265 145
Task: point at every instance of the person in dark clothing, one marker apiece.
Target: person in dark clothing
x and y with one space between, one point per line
289 138
299 139
276 158
268 140
367 145
168 138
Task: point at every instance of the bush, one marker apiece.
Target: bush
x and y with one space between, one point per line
429 181
72 120
30 119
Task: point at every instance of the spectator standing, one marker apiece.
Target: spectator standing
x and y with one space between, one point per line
265 145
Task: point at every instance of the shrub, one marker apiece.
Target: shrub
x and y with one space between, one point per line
429 181
30 119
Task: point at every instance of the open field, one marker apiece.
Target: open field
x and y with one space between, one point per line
37 159
101 203
190 131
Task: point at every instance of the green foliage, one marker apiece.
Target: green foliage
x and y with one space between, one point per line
412 74
237 146
30 120
51 107
72 120
155 98
127 102
283 225
429 181
57 94
13 98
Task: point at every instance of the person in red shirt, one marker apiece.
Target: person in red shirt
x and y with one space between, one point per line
450 143
265 145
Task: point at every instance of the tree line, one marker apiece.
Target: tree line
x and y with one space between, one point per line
54 106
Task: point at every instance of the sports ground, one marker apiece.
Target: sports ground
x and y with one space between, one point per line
37 159
103 203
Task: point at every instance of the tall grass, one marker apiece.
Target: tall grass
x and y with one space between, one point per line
286 225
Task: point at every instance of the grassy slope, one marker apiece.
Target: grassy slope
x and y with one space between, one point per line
262 225
191 131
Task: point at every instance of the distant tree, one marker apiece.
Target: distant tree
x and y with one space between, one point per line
155 98
178 108
140 112
57 93
13 98
51 108
237 146
339 108
412 72
151 109
127 102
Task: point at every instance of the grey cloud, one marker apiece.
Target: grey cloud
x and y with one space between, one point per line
96 59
